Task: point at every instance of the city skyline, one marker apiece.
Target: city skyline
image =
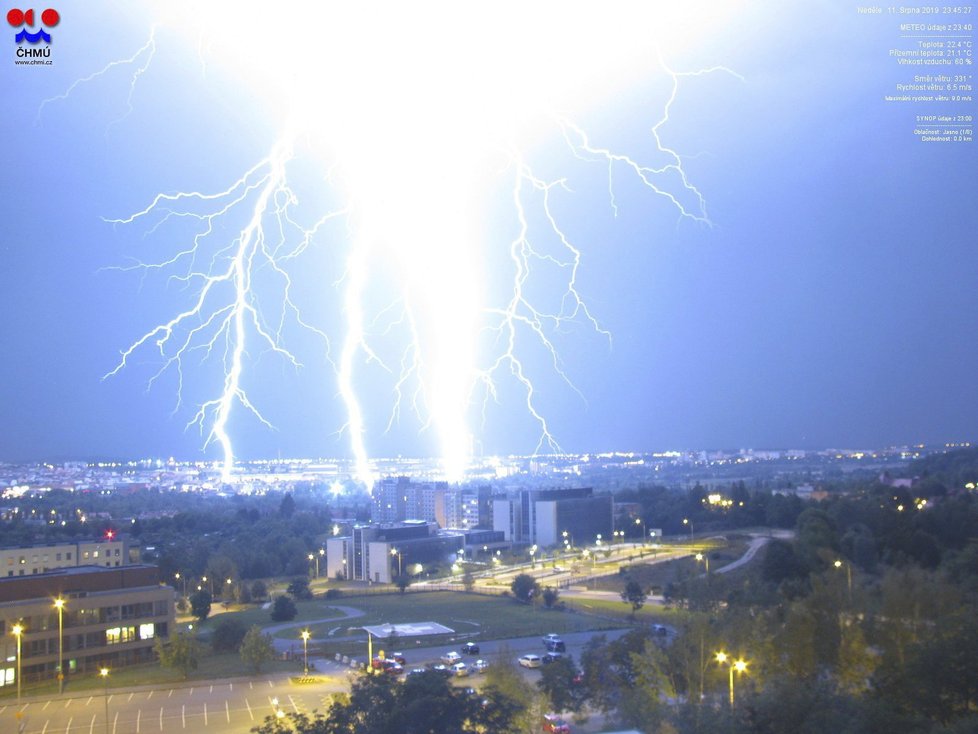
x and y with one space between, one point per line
829 302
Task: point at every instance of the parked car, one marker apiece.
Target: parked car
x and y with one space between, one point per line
551 636
393 668
470 648
659 630
441 669
556 646
551 657
530 661
479 666
451 657
553 724
459 670
397 657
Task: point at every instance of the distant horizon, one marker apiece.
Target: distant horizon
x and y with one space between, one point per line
935 446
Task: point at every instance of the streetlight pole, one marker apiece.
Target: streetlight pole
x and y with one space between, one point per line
642 521
839 564
305 651
733 665
104 672
699 558
18 631
687 521
396 552
59 604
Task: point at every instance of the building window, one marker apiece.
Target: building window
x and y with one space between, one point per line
85 555
94 554
7 677
58 557
68 556
147 631
115 635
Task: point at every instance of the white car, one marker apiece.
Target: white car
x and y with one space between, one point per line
450 658
530 661
479 666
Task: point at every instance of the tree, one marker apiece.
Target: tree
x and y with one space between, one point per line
200 604
258 590
425 703
283 609
633 594
525 587
256 649
228 633
286 507
402 581
181 652
298 589
557 683
468 579
550 596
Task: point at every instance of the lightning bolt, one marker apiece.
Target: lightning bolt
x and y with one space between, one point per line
225 311
398 209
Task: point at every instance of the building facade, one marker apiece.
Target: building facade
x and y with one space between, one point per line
542 516
34 559
110 617
380 553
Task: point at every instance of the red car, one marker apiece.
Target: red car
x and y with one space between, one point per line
553 724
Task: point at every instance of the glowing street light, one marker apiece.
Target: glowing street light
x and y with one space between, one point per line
305 651
700 558
687 521
641 520
104 672
734 665
396 552
18 631
59 604
533 550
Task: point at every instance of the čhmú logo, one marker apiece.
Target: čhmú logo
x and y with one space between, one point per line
17 18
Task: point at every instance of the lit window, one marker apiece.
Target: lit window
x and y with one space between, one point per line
113 635
147 631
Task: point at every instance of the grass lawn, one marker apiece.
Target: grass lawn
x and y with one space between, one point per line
307 611
648 614
472 616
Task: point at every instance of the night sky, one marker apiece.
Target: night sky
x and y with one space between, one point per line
831 300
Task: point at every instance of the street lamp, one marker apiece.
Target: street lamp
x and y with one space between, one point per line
18 631
178 577
59 604
687 521
396 552
701 558
568 539
305 651
104 672
533 550
840 564
641 520
734 665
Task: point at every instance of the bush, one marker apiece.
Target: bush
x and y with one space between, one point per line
284 609
228 633
332 594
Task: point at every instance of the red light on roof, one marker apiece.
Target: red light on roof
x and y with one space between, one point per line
109 534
